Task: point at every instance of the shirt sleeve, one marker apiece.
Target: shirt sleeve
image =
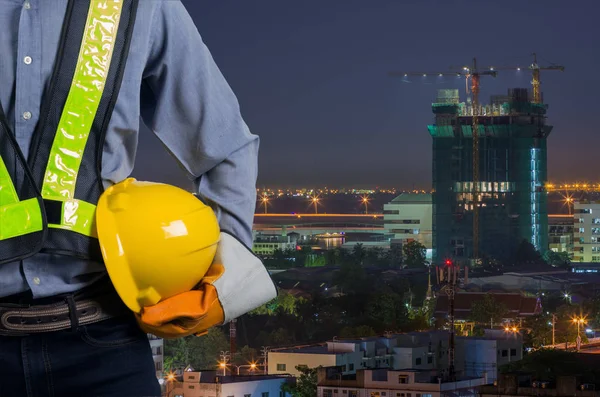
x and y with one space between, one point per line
190 107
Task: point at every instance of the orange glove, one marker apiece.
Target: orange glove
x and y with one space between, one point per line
236 283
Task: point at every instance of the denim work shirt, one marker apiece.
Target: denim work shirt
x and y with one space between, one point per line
171 81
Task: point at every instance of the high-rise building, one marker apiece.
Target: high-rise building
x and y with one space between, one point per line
512 174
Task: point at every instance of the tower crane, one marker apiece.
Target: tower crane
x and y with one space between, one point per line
472 74
535 72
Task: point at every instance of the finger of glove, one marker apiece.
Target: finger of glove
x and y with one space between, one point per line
167 331
185 305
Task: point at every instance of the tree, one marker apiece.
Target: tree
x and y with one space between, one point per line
527 254
350 278
246 355
394 255
199 352
557 259
376 256
488 310
315 261
357 332
359 253
414 254
386 311
284 303
540 331
278 337
565 329
306 383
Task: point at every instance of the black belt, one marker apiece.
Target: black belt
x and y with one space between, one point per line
69 312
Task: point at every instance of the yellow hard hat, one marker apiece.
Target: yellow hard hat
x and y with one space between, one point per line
157 240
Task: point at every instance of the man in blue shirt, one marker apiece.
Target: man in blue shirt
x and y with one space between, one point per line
172 82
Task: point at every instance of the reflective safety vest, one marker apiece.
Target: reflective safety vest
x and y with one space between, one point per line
48 201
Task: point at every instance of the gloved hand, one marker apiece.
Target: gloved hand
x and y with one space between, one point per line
236 283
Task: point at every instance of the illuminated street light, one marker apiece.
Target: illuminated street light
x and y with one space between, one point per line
252 367
579 321
170 386
365 201
265 201
315 201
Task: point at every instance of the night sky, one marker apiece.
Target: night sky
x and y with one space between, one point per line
312 80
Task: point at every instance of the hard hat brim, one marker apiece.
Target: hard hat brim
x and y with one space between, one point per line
115 259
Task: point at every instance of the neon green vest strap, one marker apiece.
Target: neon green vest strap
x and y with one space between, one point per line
17 218
80 109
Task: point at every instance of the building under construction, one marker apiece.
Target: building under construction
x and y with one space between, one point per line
511 201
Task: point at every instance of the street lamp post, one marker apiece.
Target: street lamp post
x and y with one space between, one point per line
251 366
365 201
579 321
569 200
170 387
224 359
315 201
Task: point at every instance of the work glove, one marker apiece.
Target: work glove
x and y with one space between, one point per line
236 283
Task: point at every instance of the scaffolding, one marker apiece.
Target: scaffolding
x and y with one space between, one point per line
510 194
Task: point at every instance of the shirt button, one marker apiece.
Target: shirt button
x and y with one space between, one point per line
27 5
27 115
27 60
37 281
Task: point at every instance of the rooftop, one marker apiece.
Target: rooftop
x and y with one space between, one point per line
308 349
516 303
212 376
413 198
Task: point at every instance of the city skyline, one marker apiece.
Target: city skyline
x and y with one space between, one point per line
319 95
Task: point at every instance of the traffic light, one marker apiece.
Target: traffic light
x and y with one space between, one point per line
448 262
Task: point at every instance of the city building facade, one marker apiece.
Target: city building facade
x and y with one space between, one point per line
482 356
586 247
157 346
393 383
266 245
211 384
347 355
524 385
408 217
560 233
512 158
420 351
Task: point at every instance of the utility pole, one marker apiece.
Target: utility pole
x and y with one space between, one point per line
553 328
449 279
265 354
224 360
232 338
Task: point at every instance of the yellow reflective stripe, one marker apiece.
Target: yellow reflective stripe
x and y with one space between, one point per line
78 216
84 97
20 218
8 194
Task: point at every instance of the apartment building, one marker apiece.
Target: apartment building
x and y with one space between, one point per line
586 231
392 383
211 384
421 351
